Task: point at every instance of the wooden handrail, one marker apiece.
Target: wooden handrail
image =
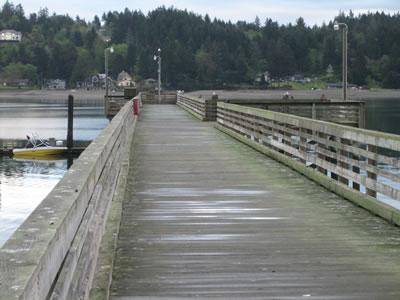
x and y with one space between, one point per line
365 160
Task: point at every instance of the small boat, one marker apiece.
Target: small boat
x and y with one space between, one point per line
36 147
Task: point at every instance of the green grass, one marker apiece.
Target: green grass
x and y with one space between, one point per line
300 86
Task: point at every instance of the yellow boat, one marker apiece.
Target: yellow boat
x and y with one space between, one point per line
36 147
39 151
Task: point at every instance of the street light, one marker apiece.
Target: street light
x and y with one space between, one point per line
337 26
158 58
106 51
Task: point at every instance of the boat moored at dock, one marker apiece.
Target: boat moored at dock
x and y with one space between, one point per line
36 147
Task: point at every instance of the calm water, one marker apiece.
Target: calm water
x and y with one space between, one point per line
24 183
18 120
383 115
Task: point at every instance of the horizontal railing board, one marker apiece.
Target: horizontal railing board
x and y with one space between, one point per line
386 140
192 98
291 101
204 109
350 113
192 111
373 205
283 137
338 145
166 97
336 149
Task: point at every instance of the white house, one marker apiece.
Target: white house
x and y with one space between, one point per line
125 80
56 84
9 35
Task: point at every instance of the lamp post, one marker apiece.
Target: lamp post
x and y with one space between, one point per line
158 59
345 29
106 51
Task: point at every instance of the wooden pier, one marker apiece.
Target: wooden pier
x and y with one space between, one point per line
205 216
164 206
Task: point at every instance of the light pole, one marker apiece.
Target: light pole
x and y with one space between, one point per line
345 29
158 59
106 51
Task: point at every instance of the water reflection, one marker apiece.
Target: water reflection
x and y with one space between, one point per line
49 120
23 185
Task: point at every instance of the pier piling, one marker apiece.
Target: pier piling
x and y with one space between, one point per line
70 139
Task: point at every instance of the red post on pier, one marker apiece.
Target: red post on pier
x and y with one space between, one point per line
136 105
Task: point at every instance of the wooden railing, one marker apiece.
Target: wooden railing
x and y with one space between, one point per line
359 164
53 254
151 97
113 104
350 113
203 109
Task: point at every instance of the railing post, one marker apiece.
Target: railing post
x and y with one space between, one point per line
342 164
302 143
320 155
333 160
356 169
288 140
361 115
371 175
313 112
211 108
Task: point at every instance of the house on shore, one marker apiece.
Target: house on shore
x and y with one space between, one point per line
125 80
56 84
19 83
10 35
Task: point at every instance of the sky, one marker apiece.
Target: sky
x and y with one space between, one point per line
283 11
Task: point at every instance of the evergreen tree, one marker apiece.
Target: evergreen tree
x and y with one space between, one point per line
198 52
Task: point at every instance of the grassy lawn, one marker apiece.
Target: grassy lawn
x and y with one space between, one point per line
300 86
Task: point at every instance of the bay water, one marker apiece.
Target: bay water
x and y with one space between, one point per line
25 183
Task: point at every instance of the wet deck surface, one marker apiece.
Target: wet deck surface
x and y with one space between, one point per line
206 216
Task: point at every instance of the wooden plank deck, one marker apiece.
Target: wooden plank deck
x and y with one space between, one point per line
207 217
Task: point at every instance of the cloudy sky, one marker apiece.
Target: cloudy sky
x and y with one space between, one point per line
283 11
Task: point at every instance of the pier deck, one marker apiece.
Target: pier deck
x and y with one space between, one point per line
206 216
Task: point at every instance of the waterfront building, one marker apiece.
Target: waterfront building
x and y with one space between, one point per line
56 84
10 35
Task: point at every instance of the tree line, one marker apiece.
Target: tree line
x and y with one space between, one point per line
198 52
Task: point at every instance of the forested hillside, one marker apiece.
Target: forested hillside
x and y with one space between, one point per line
198 52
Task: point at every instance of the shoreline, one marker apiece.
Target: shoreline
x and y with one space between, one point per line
334 94
96 97
81 97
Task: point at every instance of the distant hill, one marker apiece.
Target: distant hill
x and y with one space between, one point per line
198 52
